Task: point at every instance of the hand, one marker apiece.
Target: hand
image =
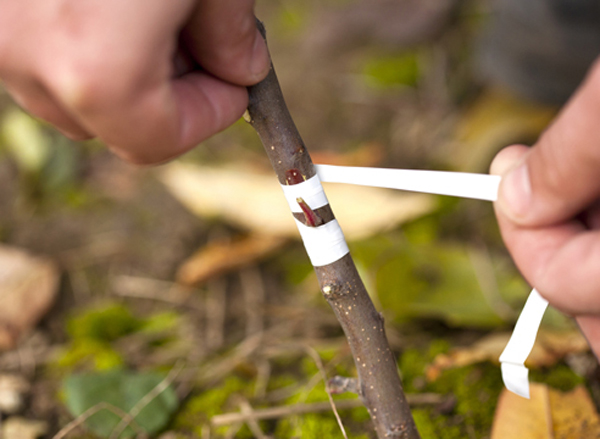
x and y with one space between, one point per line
105 68
549 208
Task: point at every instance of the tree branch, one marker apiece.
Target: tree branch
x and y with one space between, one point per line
379 384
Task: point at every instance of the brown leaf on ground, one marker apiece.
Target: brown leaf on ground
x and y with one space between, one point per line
28 288
22 428
497 119
368 154
220 257
255 202
549 414
550 347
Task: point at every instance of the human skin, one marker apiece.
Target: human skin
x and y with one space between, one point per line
107 69
548 208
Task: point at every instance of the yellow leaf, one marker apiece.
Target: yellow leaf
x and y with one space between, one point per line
550 347
25 141
549 414
497 119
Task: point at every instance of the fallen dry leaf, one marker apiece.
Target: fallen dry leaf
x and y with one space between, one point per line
220 257
21 428
255 202
367 154
549 414
28 288
550 347
497 119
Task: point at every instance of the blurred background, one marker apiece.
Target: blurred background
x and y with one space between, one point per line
182 294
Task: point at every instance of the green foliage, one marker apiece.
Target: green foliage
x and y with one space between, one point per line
90 354
105 324
160 322
419 275
122 389
393 70
94 331
47 161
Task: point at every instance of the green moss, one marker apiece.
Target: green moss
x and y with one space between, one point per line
433 426
476 389
395 70
559 377
96 355
161 322
105 324
413 363
281 381
312 426
198 409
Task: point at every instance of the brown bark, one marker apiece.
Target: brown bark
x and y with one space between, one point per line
379 384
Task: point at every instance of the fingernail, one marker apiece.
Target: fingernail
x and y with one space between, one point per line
515 192
259 65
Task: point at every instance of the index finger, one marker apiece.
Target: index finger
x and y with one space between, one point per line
223 38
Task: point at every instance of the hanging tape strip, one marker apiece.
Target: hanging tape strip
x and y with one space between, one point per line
456 184
514 372
465 185
324 244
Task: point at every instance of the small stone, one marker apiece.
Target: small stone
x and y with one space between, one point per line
12 393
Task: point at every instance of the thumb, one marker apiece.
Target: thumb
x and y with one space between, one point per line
559 176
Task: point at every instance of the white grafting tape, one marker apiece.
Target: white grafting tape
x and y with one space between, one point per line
324 244
456 184
514 372
309 190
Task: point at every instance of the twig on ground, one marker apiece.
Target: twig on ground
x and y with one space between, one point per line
215 309
317 359
153 289
263 374
316 407
91 412
251 422
147 399
253 290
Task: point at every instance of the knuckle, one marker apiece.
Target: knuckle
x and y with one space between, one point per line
237 41
88 85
